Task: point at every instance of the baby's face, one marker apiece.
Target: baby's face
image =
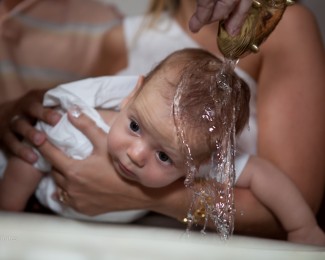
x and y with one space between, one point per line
143 143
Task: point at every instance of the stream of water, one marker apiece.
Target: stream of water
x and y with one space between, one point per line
213 198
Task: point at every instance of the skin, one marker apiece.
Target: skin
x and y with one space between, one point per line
142 142
29 106
293 212
289 70
233 12
279 104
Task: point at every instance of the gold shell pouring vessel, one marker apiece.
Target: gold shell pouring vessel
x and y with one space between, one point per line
261 20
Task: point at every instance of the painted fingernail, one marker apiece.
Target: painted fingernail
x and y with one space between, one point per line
55 117
75 111
234 31
31 157
38 138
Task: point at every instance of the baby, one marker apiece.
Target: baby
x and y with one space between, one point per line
143 141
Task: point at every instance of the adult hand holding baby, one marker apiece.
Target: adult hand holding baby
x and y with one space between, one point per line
94 194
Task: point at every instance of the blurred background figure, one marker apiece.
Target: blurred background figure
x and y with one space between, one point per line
44 43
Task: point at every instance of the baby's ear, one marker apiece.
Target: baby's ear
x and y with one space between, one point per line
137 88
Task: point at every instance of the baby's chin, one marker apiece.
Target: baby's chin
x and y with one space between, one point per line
125 173
155 184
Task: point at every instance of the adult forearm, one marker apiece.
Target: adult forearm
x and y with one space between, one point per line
173 201
253 218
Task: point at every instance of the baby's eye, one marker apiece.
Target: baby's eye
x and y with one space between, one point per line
163 157
134 126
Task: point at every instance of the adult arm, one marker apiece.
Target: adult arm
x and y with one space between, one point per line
290 103
290 116
278 193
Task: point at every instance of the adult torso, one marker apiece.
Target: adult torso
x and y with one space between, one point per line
46 43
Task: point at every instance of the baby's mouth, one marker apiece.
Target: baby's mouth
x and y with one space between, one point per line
126 172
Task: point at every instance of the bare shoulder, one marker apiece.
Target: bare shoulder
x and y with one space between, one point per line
296 40
298 18
298 11
296 35
297 24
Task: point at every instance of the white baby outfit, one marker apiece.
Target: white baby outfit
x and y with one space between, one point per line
88 94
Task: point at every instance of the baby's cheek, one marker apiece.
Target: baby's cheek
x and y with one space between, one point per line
158 179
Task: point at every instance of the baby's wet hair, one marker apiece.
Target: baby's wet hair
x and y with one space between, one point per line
210 97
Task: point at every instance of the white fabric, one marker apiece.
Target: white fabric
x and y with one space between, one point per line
88 94
3 163
148 46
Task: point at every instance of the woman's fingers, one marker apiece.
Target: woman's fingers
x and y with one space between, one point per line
31 107
18 148
55 157
237 18
233 12
77 180
22 126
59 179
209 11
17 120
202 15
89 128
223 9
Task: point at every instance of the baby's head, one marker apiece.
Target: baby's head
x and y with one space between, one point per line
144 143
203 93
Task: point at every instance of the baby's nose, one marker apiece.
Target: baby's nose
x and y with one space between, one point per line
138 153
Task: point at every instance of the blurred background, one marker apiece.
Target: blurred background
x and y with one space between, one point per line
133 7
